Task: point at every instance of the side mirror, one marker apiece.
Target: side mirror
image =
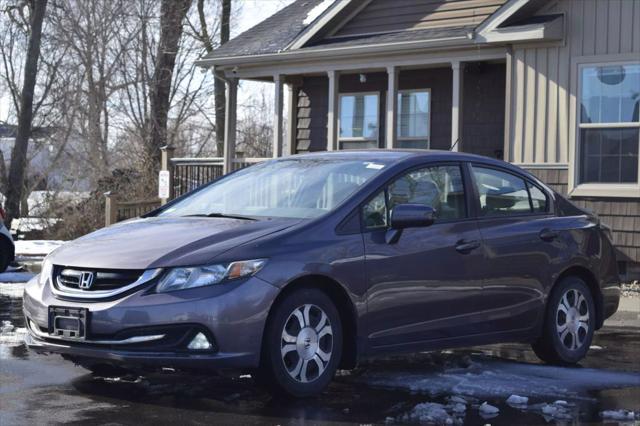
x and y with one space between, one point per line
412 216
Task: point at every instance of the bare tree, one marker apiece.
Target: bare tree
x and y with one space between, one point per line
25 113
172 16
206 37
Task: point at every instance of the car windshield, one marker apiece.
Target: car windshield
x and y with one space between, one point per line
287 188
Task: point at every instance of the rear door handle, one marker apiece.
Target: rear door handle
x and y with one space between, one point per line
465 246
548 235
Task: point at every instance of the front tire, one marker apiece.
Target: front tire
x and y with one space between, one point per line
569 323
6 254
302 346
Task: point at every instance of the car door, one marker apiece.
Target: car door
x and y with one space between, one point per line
423 286
521 244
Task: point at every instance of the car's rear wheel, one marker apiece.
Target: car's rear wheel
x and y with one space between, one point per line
569 323
302 345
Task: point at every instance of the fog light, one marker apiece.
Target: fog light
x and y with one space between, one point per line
200 342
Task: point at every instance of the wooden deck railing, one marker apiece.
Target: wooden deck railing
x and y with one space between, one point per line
117 211
186 174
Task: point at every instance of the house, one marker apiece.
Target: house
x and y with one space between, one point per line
550 85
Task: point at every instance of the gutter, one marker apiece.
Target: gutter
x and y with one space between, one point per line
345 51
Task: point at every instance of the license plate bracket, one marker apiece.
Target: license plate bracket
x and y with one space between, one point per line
68 323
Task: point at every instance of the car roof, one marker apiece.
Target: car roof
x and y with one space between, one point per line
398 156
393 155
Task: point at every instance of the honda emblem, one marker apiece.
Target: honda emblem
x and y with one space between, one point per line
86 280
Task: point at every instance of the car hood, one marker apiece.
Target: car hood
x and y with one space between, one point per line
163 242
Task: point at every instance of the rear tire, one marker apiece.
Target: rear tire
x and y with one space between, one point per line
569 323
302 345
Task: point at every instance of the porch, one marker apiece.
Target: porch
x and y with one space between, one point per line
454 103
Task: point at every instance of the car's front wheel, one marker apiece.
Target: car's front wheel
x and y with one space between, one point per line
5 254
569 323
302 344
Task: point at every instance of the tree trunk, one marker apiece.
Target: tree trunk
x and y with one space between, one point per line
219 86
172 14
17 169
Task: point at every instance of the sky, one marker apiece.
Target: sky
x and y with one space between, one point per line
251 13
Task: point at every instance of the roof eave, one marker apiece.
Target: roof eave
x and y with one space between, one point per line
547 31
337 52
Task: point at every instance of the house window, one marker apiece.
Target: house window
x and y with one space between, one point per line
414 123
609 126
359 120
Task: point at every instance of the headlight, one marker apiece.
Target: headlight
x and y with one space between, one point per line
46 271
184 278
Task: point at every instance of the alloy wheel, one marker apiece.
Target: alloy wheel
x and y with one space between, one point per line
306 343
572 319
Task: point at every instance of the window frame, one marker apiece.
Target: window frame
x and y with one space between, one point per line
599 189
550 211
358 139
468 197
428 137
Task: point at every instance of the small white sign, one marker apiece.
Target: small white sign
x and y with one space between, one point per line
163 184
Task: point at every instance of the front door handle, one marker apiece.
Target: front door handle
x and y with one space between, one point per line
465 246
548 234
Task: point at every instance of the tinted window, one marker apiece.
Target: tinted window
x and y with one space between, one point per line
500 193
439 187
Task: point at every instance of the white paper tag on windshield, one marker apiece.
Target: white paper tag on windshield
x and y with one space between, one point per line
375 166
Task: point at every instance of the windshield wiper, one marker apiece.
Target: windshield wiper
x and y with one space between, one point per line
229 216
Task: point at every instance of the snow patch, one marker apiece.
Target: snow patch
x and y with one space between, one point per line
623 415
11 336
317 11
13 291
517 400
488 409
490 378
430 412
36 247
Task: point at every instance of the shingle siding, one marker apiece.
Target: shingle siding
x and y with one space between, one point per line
622 215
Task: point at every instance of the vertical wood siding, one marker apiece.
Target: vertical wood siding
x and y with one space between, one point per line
539 128
400 15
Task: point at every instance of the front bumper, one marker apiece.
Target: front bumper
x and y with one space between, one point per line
89 356
231 315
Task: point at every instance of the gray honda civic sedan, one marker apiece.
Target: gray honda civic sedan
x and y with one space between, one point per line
299 266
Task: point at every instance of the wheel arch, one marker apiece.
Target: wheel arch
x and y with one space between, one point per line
346 309
589 278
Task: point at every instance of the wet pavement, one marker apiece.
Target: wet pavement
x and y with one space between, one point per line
448 387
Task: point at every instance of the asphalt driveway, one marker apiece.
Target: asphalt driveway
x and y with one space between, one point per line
464 386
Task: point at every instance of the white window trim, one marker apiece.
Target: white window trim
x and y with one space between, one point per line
357 139
614 190
416 138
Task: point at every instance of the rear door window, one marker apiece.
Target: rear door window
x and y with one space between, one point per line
501 193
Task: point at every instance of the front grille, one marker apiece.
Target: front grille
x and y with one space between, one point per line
102 279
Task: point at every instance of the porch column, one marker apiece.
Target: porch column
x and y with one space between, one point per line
392 107
456 105
332 113
230 125
278 120
292 122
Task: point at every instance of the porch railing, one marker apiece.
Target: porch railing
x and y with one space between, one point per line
186 174
190 173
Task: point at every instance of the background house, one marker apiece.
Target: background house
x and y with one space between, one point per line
550 85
